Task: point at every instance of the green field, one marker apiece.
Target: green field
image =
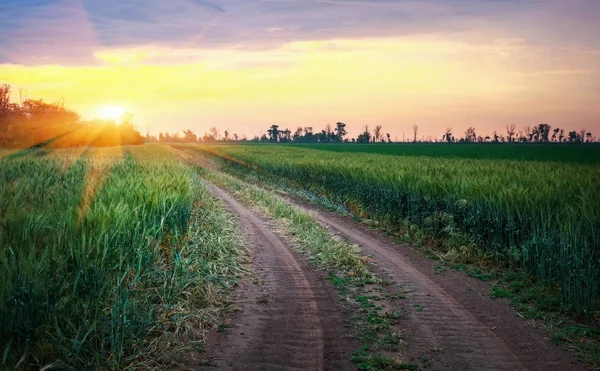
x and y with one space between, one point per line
118 258
479 204
107 259
565 152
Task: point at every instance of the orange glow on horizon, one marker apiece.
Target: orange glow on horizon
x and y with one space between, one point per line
396 82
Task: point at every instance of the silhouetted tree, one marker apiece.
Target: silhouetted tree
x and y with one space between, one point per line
365 136
340 130
510 132
273 133
189 136
415 132
470 135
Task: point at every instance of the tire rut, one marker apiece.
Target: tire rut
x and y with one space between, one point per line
290 317
472 332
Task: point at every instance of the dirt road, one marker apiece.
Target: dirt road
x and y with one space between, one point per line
452 322
454 315
290 318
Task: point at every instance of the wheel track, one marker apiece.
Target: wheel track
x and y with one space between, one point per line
291 321
474 332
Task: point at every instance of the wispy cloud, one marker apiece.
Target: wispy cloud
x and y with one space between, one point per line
71 31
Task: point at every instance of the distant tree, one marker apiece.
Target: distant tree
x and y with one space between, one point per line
365 136
470 135
589 138
561 136
340 130
377 135
572 136
388 137
297 134
510 132
285 135
543 132
415 132
226 135
189 136
581 136
215 133
448 135
273 133
554 134
235 137
328 133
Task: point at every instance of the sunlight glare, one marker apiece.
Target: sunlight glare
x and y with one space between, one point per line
111 113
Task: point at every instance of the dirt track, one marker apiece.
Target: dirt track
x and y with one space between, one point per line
456 316
290 318
451 320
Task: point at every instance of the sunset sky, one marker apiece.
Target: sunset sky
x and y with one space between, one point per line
243 65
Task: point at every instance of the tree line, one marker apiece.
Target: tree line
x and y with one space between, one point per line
542 133
34 122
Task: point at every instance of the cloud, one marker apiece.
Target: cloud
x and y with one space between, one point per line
73 31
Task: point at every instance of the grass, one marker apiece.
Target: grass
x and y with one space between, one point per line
530 215
348 271
111 258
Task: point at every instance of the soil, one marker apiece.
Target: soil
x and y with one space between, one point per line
290 318
455 324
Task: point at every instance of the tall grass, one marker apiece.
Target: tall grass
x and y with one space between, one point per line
101 255
543 217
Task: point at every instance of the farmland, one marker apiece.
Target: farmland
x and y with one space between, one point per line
125 257
105 256
539 215
565 153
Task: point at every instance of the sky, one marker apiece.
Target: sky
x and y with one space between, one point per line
244 65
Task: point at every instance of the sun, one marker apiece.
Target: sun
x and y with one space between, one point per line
111 112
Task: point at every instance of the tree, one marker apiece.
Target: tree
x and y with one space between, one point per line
510 132
388 137
581 136
285 135
340 130
215 133
415 131
377 133
543 132
273 133
554 133
226 135
448 135
189 136
328 131
297 134
589 137
470 135
235 137
365 136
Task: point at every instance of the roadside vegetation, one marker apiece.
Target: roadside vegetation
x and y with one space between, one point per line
110 259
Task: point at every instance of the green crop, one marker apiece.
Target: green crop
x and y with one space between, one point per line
103 254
